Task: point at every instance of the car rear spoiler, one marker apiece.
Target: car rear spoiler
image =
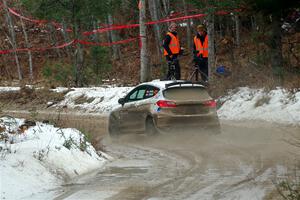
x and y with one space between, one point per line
199 83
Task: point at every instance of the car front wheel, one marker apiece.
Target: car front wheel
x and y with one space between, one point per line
113 127
150 127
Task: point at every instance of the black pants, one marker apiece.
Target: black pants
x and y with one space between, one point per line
202 63
177 67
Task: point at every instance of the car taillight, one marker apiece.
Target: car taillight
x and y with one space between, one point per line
166 104
210 103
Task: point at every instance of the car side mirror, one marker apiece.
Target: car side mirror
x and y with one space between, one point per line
121 101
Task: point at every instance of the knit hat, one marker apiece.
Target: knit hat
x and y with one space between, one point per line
201 27
172 24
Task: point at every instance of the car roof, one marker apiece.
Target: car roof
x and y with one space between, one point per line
171 83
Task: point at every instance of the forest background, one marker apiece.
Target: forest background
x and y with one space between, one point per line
91 42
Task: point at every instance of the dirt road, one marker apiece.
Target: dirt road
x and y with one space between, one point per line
241 163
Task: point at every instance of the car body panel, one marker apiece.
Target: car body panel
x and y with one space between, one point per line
190 111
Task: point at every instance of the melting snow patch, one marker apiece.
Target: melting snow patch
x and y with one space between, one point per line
280 105
36 158
105 98
249 193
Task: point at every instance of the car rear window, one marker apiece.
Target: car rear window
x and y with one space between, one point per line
186 93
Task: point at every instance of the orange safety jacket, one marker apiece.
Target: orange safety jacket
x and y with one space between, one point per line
174 44
201 48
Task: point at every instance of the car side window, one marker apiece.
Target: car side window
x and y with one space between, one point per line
136 94
132 97
151 91
142 92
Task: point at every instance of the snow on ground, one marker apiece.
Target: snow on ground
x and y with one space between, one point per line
280 105
5 89
98 99
38 159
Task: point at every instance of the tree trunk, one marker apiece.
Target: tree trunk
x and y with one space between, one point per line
53 38
276 50
166 6
188 28
211 46
13 39
145 71
221 27
237 30
79 65
153 7
115 48
66 36
29 52
78 56
253 23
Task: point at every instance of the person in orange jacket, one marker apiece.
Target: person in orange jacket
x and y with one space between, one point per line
201 51
172 49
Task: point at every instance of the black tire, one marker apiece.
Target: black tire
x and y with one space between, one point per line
113 127
150 128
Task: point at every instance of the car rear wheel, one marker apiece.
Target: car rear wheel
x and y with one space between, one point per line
150 127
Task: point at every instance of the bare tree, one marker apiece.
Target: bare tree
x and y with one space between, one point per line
113 38
188 27
78 57
29 51
12 38
237 30
153 7
211 45
276 50
66 36
53 37
166 7
145 70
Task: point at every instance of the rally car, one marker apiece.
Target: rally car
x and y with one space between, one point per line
157 106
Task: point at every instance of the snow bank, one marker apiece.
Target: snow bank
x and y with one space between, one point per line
8 89
35 159
280 105
97 99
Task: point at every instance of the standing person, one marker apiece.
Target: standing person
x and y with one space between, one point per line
172 49
201 51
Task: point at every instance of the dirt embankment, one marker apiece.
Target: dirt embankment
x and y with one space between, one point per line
35 105
28 99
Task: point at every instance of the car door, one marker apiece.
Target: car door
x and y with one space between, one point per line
129 114
143 106
136 108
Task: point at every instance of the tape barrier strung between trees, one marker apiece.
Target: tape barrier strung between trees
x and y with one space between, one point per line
36 21
36 49
119 27
73 42
110 28
83 42
101 30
